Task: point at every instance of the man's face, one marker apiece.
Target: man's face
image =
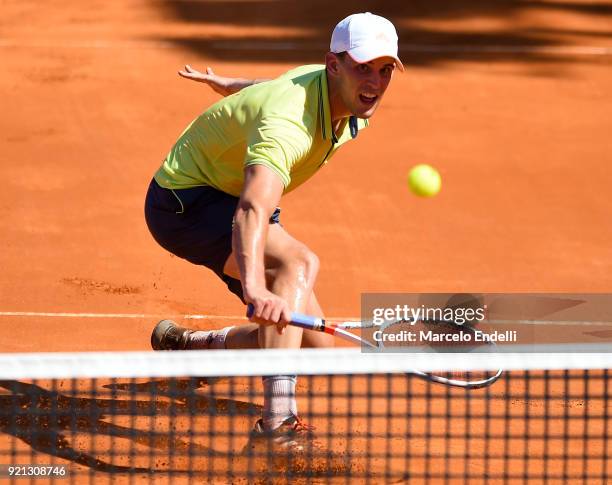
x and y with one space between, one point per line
362 85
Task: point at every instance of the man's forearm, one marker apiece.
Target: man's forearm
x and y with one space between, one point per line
219 84
248 240
241 83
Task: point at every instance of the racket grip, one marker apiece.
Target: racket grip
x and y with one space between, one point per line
306 321
297 320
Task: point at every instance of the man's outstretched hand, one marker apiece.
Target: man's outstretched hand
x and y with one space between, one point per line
222 85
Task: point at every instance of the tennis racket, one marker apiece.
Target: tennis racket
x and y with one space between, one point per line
462 379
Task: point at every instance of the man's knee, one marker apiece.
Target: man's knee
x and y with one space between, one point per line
310 262
303 264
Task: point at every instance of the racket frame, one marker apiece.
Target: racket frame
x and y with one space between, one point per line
340 330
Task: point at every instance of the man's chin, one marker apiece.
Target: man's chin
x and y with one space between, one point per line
365 112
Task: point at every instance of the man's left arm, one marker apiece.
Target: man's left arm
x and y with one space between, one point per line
220 84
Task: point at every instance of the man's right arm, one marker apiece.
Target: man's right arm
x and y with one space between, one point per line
260 196
222 85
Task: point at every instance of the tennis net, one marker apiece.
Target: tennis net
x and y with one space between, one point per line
185 417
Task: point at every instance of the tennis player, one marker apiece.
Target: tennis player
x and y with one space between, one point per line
215 199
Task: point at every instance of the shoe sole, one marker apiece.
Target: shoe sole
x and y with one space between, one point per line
159 334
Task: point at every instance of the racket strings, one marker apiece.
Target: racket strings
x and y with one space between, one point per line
440 336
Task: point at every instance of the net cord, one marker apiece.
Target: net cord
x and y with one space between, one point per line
207 363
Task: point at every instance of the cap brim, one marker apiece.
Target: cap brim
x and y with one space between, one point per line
371 52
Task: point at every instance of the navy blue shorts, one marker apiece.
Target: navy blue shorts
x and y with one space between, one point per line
196 224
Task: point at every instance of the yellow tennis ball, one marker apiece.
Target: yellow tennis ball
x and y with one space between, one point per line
424 180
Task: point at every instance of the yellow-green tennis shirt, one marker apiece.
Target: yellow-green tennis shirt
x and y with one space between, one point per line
284 124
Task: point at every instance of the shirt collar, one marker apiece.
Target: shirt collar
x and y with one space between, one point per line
324 109
325 113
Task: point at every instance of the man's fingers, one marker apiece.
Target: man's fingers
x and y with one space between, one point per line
189 74
284 319
279 320
266 313
271 312
257 309
286 316
275 315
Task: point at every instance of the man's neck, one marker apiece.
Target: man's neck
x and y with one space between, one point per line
336 107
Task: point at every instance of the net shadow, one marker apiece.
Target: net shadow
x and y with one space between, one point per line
48 420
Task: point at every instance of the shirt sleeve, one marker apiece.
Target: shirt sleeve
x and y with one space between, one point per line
279 144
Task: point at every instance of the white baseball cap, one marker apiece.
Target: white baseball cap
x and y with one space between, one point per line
365 37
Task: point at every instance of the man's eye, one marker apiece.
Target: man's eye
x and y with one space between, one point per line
363 68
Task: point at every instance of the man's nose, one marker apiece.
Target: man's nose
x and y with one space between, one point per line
375 81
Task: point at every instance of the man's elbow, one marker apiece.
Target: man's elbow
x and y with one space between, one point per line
251 210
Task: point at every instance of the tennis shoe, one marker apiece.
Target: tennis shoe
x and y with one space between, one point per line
293 435
293 447
167 335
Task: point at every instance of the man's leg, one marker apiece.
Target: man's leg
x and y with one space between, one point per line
196 224
291 270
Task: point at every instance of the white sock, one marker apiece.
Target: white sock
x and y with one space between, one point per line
279 400
212 339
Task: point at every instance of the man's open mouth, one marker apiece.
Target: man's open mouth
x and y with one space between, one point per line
368 98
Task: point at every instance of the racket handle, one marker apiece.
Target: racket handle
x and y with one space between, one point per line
308 322
298 320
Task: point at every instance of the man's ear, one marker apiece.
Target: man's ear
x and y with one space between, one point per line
332 63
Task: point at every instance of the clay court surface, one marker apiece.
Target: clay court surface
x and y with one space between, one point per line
511 101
